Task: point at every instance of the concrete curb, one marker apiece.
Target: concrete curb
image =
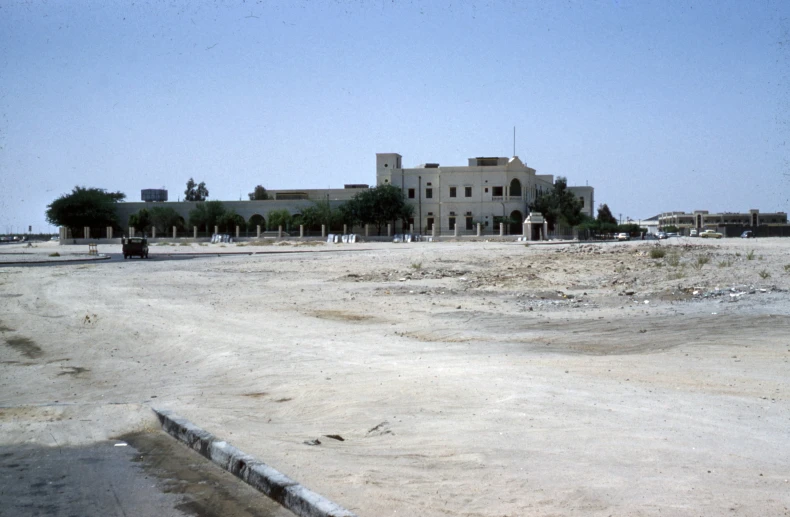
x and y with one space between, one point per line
278 486
64 261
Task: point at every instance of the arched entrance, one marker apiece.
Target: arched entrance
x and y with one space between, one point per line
254 221
515 188
516 221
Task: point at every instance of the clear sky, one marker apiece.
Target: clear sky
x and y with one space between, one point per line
659 105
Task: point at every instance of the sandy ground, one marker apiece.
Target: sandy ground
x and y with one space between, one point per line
470 379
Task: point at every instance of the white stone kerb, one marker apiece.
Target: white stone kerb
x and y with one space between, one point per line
276 485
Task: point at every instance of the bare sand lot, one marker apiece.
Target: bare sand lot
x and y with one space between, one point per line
471 379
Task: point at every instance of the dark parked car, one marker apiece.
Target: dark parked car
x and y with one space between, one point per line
748 234
135 247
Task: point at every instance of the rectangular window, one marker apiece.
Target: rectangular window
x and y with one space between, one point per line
497 191
452 223
411 193
430 224
468 222
582 200
452 191
467 191
428 193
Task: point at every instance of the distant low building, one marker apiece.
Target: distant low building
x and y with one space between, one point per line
701 219
255 212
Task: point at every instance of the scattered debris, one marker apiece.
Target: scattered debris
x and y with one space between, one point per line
380 429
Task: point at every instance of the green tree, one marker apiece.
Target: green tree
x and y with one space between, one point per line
228 222
164 218
377 206
259 194
606 221
605 215
195 192
321 212
141 221
631 229
559 205
277 218
205 215
93 207
589 223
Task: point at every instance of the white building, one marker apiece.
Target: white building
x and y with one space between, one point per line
701 219
487 190
484 191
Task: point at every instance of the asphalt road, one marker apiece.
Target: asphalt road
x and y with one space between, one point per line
151 475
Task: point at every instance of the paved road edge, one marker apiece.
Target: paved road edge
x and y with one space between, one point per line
262 477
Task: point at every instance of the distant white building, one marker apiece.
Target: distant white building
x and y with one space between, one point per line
487 190
701 219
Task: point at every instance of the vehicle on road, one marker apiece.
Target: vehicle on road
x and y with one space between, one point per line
623 237
748 234
135 247
710 234
693 233
662 235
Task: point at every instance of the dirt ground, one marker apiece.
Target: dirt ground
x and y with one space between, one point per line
433 379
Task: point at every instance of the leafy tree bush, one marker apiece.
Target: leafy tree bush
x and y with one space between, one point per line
279 218
206 215
377 206
320 213
259 194
141 221
605 215
228 222
195 192
164 218
559 205
631 229
93 207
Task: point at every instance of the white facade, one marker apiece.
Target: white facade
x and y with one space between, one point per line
485 191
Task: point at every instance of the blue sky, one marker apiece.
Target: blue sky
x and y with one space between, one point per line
659 105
